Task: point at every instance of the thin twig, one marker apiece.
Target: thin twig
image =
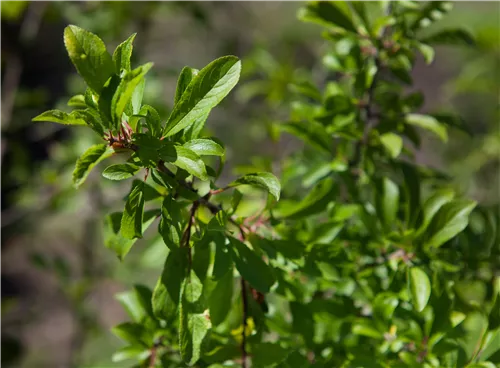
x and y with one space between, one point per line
243 334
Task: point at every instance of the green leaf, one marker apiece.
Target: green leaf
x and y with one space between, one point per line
327 13
137 98
133 333
429 123
114 239
123 95
193 324
170 224
251 267
450 220
186 76
89 55
393 143
60 117
191 162
131 223
122 54
77 101
420 288
131 352
450 37
205 147
223 257
311 132
433 204
266 354
120 171
203 93
387 201
152 120
315 201
166 294
130 302
219 302
474 327
426 51
262 180
88 160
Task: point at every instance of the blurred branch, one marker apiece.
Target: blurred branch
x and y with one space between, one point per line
13 63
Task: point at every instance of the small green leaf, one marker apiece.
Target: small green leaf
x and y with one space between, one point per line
426 51
131 223
89 55
450 220
327 13
186 76
152 120
191 162
420 288
133 333
450 37
137 98
433 204
387 201
120 171
88 160
205 147
429 123
131 304
125 91
393 143
194 324
251 267
77 101
122 54
219 302
312 133
262 180
131 352
60 117
203 93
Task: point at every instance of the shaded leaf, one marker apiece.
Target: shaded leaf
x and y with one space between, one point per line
88 160
429 123
131 222
191 162
263 180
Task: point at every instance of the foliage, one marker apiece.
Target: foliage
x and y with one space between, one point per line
366 260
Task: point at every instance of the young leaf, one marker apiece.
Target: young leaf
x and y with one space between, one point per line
60 117
120 171
77 101
429 123
262 180
131 352
191 162
205 147
125 90
137 97
420 288
89 55
450 220
88 160
327 13
193 323
131 223
205 91
387 202
152 120
450 37
122 54
251 267
186 76
219 302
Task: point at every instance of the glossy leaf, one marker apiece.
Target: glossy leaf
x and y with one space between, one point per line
203 93
429 123
263 180
88 160
60 117
420 288
450 220
122 55
89 55
186 76
205 147
120 171
191 162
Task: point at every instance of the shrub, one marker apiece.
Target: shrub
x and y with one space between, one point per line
367 261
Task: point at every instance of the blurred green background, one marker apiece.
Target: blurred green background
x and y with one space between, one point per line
58 280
